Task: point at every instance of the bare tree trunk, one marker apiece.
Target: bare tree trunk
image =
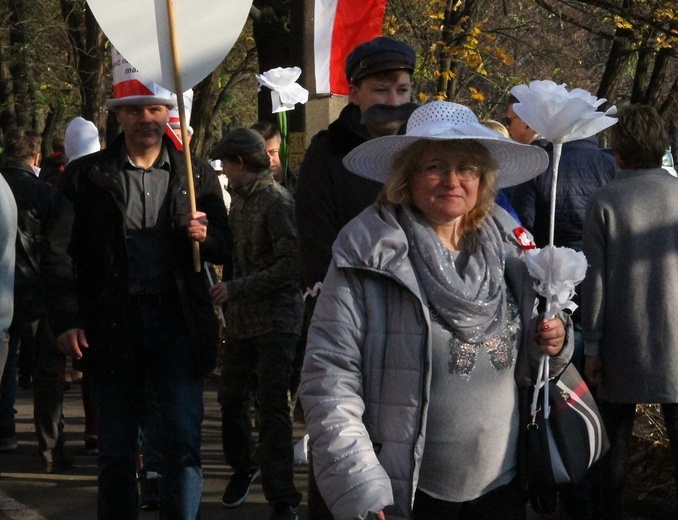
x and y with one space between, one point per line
444 54
670 104
54 115
659 76
271 30
620 54
457 15
667 110
88 56
7 119
203 96
640 78
18 65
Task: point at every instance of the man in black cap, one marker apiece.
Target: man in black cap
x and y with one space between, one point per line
264 312
328 196
379 73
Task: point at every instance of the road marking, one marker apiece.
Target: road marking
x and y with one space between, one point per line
14 510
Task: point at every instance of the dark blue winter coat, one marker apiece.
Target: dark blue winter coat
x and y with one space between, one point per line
583 168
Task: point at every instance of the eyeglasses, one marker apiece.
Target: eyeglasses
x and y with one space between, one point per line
465 173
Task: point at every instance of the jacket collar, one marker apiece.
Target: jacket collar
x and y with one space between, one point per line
105 168
108 165
375 241
18 167
261 181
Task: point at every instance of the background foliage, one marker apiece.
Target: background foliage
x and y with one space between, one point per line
55 61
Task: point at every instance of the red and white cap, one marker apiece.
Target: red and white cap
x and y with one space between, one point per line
174 119
131 88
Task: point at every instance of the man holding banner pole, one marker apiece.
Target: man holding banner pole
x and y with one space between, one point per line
142 315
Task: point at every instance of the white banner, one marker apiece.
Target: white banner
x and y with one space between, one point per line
206 31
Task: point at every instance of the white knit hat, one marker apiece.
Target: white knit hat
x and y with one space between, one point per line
445 121
82 138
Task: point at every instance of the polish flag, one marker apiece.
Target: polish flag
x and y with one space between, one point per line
339 26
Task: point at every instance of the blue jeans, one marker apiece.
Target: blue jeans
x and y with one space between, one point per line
160 356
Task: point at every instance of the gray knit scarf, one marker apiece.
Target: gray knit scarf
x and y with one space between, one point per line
473 305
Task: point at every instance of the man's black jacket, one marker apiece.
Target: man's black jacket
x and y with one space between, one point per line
98 249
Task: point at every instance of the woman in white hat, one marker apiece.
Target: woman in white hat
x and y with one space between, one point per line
425 329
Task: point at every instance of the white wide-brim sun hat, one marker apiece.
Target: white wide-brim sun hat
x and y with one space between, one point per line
445 121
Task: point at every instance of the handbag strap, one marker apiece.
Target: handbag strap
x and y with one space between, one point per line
542 381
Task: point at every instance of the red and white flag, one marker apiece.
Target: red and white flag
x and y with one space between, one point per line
339 26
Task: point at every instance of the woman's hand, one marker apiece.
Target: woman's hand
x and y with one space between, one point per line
551 336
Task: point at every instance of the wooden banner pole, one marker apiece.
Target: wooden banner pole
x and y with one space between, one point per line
179 91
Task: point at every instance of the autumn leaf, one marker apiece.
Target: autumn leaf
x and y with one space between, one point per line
476 94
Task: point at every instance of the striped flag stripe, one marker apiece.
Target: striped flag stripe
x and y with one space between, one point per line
340 25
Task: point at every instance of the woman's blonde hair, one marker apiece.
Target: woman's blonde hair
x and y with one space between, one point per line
396 190
495 126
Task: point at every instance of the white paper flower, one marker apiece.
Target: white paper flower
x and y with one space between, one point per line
285 92
558 115
556 277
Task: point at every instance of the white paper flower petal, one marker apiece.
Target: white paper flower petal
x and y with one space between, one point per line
567 267
275 101
285 92
279 77
558 115
292 94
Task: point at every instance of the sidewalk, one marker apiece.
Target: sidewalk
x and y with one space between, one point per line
27 493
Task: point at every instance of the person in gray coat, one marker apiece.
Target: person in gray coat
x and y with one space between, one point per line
630 292
8 230
426 328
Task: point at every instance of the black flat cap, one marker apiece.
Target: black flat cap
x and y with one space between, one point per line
241 141
378 55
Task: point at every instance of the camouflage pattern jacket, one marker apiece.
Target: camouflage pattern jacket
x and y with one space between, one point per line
264 294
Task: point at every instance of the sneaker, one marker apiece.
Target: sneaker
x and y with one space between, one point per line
91 444
149 490
239 487
59 461
285 512
8 444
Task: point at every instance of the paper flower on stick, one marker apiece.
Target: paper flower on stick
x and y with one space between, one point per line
558 115
285 92
557 271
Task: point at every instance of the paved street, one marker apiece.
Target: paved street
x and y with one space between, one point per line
26 493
